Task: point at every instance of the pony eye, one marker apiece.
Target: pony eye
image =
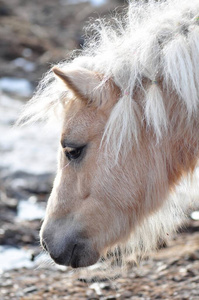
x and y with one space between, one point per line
74 153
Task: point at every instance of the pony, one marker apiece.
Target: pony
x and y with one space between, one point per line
128 103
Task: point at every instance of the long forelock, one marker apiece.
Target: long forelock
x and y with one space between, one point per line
157 41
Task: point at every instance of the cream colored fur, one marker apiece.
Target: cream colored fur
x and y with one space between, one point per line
150 57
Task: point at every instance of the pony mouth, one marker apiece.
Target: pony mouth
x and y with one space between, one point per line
80 257
73 262
77 254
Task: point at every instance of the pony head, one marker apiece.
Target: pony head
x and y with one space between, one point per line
129 111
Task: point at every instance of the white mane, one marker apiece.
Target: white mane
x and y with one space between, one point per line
154 41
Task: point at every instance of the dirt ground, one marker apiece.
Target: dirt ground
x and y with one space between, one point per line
34 34
172 273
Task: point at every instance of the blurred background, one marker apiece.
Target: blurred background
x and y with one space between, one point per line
34 35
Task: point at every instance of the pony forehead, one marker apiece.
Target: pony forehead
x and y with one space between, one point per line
81 122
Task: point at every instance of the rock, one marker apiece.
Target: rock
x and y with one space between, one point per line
29 290
21 184
7 203
20 233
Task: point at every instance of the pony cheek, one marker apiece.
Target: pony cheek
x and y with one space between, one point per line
105 226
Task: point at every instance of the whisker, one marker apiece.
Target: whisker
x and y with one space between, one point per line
65 166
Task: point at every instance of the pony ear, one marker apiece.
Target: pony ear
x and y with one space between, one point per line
83 83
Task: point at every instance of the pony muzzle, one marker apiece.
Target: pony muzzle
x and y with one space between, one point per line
72 249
